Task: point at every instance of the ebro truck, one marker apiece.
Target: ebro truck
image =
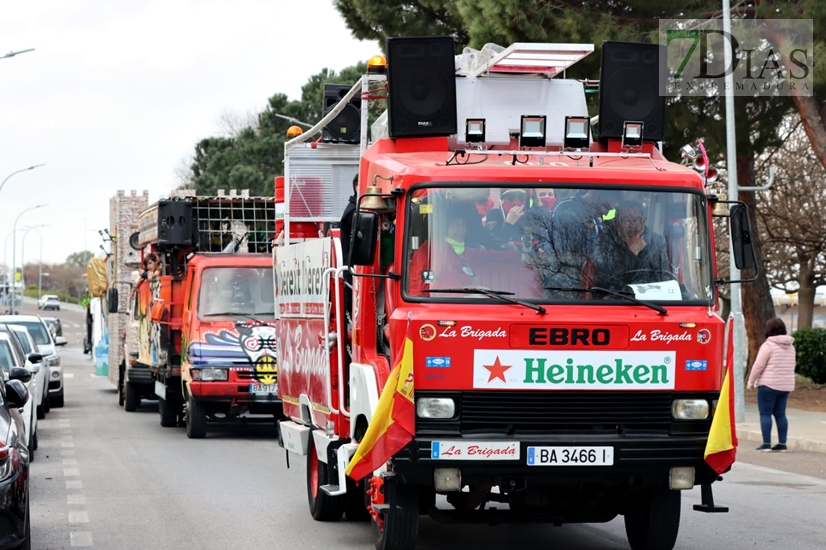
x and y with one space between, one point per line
566 354
205 324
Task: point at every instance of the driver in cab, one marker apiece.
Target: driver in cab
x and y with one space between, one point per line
629 252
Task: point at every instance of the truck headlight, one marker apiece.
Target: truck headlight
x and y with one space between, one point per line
210 374
435 407
690 409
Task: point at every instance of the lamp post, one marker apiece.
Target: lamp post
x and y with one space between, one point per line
23 256
14 253
17 172
12 54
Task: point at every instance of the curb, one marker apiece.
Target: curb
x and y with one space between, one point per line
793 443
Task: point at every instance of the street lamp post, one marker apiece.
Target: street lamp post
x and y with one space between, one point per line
12 54
17 172
23 255
13 257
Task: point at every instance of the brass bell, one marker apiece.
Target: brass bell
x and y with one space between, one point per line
720 208
374 202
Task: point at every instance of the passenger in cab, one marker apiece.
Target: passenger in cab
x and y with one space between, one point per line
524 215
629 252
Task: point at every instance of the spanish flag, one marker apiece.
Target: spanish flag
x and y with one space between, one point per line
394 420
721 446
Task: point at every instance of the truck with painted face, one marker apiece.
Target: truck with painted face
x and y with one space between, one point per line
503 357
205 310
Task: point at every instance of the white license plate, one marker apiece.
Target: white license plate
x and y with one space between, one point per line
570 456
264 389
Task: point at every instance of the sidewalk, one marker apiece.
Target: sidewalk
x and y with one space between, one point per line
807 430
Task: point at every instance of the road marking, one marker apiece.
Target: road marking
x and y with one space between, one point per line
82 538
71 472
67 444
74 484
78 516
76 499
70 462
68 375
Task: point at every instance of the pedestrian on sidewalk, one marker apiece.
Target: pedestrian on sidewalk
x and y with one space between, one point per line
773 376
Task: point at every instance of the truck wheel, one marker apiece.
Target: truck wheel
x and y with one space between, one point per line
397 528
195 419
121 390
132 399
323 507
654 521
169 415
357 501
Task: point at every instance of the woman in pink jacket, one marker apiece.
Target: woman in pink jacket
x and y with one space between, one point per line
773 375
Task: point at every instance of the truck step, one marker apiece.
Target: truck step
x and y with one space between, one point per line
333 490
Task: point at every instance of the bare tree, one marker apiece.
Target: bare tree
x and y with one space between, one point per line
790 220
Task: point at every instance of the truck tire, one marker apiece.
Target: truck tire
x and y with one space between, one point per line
169 414
323 507
132 398
355 508
654 521
398 527
195 419
121 384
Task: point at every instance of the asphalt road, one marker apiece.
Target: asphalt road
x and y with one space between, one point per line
107 479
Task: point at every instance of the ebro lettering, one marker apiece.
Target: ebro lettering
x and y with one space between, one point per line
537 371
569 337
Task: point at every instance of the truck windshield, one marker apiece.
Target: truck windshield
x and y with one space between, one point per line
241 291
553 243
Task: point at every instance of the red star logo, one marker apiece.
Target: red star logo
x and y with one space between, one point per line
497 370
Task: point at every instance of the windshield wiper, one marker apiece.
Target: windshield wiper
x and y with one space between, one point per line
503 294
659 309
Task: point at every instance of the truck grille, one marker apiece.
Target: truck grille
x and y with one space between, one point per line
518 412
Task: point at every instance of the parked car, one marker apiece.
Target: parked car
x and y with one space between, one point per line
49 301
55 326
39 369
15 516
47 347
11 355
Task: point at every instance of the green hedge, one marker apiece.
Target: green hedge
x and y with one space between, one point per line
810 345
31 292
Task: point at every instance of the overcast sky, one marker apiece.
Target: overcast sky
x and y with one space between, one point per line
116 94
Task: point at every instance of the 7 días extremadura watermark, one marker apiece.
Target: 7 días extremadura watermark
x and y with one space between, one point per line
769 57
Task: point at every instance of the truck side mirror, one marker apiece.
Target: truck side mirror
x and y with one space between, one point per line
365 237
740 229
112 299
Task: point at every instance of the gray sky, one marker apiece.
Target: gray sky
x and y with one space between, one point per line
116 94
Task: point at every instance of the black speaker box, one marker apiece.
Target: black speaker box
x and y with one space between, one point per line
175 224
629 89
421 80
346 127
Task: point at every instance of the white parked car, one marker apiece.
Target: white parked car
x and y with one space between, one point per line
40 370
47 347
49 301
11 355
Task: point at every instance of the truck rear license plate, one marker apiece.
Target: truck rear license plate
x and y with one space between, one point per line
264 389
570 456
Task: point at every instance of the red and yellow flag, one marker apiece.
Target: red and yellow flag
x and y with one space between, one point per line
721 447
394 420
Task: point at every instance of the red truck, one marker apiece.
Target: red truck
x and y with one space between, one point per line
566 354
206 323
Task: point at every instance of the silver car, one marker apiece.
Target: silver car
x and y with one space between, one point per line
47 347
